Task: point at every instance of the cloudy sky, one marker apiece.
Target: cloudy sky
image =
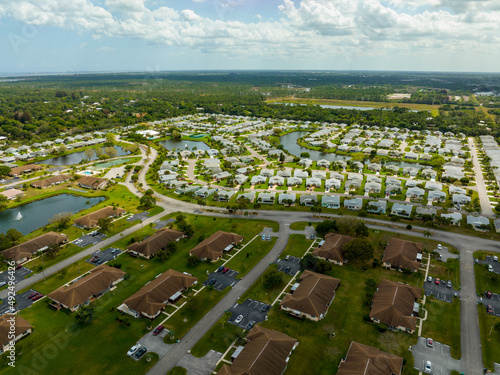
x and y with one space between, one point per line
158 35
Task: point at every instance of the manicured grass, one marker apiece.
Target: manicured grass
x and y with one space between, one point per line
177 370
485 280
443 323
446 271
318 352
299 225
220 336
248 257
259 293
297 245
490 338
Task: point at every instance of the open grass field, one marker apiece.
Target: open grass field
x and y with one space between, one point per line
177 371
297 245
446 271
485 280
490 337
443 324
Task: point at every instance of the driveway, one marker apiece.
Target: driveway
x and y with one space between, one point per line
200 366
22 302
89 239
155 344
289 266
140 216
222 280
494 301
251 311
439 355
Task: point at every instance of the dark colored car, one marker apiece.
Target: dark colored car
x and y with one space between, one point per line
158 330
140 353
287 270
489 309
31 295
212 282
220 269
265 308
19 266
488 294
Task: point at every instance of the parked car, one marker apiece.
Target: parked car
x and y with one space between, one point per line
37 297
287 257
250 325
495 258
212 282
31 295
488 294
263 237
440 247
428 367
490 268
268 238
225 270
140 353
158 330
287 269
437 281
265 308
115 251
489 309
448 284
239 319
133 349
2 283
19 266
220 268
312 237
430 343
429 279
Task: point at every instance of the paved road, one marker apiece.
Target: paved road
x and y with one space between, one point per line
481 187
190 172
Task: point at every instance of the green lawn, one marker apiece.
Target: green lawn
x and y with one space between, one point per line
248 257
259 293
177 370
220 336
446 271
297 245
443 323
486 280
299 225
490 338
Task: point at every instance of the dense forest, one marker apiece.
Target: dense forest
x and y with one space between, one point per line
42 107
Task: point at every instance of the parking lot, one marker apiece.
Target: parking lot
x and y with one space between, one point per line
100 257
158 224
222 280
439 355
268 233
441 291
140 216
445 254
89 239
290 266
22 302
20 274
489 261
494 301
251 311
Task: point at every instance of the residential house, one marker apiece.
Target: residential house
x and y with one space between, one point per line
24 251
308 199
12 329
16 171
306 162
432 185
400 209
204 192
367 360
213 247
276 180
266 198
421 211
322 163
293 181
319 174
267 172
54 180
373 187
313 181
287 173
377 207
257 180
151 245
415 193
395 305
312 297
94 183
436 196
240 179
479 223
355 204
333 183
12 193
288 198
152 298
399 254
330 201
266 352
455 218
332 248
300 173
224 195
91 220
222 175
86 289
460 199
248 195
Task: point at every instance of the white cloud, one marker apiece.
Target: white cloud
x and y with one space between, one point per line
105 49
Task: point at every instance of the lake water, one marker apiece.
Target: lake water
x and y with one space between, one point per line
36 214
77 157
181 145
289 141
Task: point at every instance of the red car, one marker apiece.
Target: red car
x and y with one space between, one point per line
489 309
31 295
437 281
225 270
488 294
37 297
19 266
158 330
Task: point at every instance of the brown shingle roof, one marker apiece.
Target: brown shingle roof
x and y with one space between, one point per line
21 325
333 248
51 181
151 245
213 246
94 182
152 297
26 249
265 353
90 220
402 254
25 168
99 279
313 295
367 360
393 304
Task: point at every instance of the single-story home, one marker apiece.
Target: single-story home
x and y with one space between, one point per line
367 360
213 247
91 220
23 252
151 245
330 201
399 254
12 329
355 204
95 183
332 248
54 180
400 209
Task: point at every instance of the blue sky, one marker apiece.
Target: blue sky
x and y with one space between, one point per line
156 35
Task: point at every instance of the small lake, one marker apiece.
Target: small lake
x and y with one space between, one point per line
36 214
344 107
289 141
77 157
181 145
